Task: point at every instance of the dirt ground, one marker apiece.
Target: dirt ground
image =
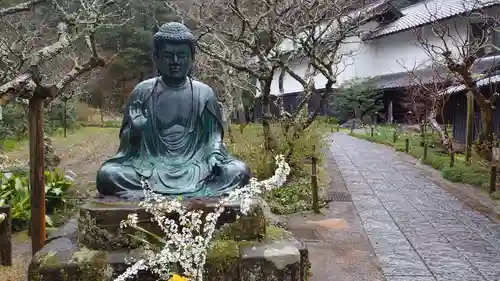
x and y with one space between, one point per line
82 153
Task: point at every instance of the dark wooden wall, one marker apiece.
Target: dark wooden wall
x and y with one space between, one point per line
290 103
457 105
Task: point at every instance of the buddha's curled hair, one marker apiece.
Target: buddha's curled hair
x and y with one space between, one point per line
174 32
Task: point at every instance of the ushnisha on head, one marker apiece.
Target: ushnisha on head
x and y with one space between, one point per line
174 51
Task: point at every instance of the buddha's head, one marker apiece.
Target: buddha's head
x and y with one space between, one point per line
174 50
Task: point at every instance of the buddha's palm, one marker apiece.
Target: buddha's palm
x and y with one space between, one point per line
139 118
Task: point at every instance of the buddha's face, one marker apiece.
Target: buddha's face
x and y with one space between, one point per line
174 60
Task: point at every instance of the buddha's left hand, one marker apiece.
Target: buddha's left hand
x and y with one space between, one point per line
214 162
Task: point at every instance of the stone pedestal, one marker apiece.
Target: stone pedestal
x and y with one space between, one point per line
95 248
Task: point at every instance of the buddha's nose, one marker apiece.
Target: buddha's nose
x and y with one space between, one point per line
175 59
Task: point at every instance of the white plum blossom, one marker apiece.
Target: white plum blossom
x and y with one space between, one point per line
187 240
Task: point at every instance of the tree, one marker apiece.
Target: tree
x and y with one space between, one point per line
29 72
459 54
230 86
426 101
264 38
357 99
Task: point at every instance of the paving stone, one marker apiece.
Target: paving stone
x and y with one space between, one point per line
401 262
410 278
414 225
459 277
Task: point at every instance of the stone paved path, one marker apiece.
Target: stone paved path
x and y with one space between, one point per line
419 231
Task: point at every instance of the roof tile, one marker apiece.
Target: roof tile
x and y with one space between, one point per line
429 11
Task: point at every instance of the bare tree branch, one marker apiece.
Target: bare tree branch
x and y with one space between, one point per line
21 7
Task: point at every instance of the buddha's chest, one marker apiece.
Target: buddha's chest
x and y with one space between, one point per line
174 108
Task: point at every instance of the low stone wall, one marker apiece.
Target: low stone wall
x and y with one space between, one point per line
94 248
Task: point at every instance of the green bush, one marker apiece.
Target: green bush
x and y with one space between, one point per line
330 120
14 126
15 191
455 174
495 195
295 196
54 115
475 174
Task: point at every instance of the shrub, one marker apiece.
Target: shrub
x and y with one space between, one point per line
330 120
295 196
15 191
14 125
495 195
54 115
455 174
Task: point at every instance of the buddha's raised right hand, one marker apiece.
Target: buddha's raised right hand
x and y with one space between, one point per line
139 118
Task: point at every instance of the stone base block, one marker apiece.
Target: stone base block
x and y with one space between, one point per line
99 222
276 257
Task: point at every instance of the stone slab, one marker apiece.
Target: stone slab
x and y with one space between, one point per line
278 256
99 222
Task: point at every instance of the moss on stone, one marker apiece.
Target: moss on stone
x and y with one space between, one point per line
98 238
83 264
48 260
251 226
222 260
85 255
114 205
274 233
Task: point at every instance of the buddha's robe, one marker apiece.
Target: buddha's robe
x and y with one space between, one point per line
175 151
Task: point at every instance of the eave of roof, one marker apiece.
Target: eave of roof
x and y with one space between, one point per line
429 11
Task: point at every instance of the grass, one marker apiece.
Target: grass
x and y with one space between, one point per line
476 174
11 144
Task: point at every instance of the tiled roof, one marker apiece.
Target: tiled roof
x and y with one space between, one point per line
429 11
484 65
404 79
427 75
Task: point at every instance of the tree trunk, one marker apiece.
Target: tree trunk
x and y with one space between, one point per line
485 139
422 133
65 125
443 134
468 130
266 114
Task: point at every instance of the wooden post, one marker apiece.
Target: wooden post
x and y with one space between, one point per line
452 159
394 136
338 127
390 112
407 145
102 110
493 178
5 236
469 123
422 134
64 116
371 132
426 148
37 180
314 186
352 127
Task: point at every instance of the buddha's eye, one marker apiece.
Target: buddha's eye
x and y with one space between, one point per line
179 56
